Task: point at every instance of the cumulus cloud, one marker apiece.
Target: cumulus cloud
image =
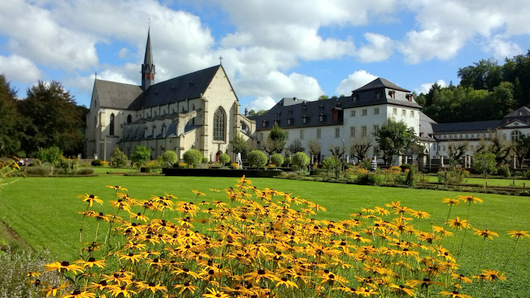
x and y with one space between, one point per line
261 103
379 49
354 81
501 48
424 88
19 68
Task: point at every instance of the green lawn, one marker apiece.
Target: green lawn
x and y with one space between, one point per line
43 211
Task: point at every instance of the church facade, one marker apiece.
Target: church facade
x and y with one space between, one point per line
198 110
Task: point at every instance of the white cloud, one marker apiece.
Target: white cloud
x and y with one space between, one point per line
354 81
380 48
502 48
19 68
262 103
424 88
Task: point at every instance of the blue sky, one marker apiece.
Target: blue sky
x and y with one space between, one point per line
271 48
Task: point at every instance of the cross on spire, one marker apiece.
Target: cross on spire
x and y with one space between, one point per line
220 60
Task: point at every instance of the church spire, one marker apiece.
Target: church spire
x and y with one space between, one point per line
148 68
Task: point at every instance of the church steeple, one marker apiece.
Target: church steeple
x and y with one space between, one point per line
148 68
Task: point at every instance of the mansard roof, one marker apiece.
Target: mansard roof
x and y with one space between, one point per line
466 126
520 112
380 83
127 96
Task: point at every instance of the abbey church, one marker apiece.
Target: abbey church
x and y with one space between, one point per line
198 110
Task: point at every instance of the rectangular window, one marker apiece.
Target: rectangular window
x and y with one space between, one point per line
365 112
376 128
376 111
394 111
352 131
411 114
319 133
352 113
286 135
337 132
364 131
403 112
301 134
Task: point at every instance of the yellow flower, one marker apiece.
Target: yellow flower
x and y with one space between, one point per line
63 267
402 290
490 275
470 199
215 294
458 223
153 287
454 294
117 187
79 294
91 262
198 193
90 199
518 234
451 201
52 291
485 233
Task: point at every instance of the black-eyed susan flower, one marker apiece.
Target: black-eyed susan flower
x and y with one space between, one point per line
117 187
213 293
491 275
91 199
485 233
518 234
186 286
151 286
451 201
454 294
91 262
470 199
402 290
53 290
458 223
79 294
63 266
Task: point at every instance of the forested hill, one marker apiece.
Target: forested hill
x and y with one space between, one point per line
487 91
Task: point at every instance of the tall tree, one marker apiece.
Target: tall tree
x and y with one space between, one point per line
9 119
276 140
53 118
393 138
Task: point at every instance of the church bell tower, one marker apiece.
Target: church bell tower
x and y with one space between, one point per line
148 68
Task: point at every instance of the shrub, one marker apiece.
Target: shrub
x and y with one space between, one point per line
38 171
224 158
526 174
118 159
257 158
96 163
277 159
288 161
301 160
85 171
170 157
193 157
140 155
453 176
370 179
504 171
365 164
205 160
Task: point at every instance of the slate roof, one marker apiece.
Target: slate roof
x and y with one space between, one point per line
188 86
520 112
381 83
127 96
291 111
116 95
466 126
426 130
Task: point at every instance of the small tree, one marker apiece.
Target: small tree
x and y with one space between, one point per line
51 155
140 155
257 158
295 147
238 145
484 163
393 137
301 160
170 157
457 151
277 159
359 147
118 159
276 140
224 158
193 157
331 163
314 148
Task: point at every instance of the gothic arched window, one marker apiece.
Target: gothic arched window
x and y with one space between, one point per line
219 125
111 125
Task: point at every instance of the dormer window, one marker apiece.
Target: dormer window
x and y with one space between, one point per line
305 119
279 113
409 97
322 117
354 97
304 107
377 94
264 123
289 121
392 94
321 107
